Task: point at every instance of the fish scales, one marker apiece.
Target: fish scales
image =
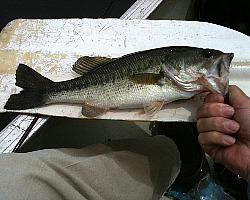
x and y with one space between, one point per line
111 72
146 79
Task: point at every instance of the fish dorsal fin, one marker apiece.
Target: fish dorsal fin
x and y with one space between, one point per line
146 79
85 64
153 107
93 111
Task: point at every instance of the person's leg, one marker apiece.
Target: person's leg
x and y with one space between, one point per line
140 168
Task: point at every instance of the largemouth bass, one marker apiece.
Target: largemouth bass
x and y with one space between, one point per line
147 79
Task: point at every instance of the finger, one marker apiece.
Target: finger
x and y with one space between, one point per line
215 110
219 124
237 98
214 98
215 138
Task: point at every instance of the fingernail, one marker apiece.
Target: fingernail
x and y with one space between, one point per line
232 125
228 139
227 111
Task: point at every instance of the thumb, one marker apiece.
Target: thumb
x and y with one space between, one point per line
237 98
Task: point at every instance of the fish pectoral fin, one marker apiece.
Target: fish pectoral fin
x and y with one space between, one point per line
85 64
153 107
146 79
93 111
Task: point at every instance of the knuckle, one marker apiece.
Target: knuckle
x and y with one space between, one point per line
213 109
208 97
198 125
210 110
198 113
201 139
219 123
208 138
210 124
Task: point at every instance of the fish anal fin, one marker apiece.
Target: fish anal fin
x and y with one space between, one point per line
151 108
93 111
146 79
85 64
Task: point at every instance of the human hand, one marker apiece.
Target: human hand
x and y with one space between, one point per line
224 130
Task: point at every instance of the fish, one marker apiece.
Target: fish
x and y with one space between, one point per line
145 79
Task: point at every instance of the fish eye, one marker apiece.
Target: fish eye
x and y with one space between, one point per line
207 53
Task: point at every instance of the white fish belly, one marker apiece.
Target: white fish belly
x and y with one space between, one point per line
121 94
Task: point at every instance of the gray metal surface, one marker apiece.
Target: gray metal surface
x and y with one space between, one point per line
12 133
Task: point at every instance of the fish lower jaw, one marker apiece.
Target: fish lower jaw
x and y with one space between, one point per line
212 84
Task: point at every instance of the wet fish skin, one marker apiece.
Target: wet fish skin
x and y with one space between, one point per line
144 79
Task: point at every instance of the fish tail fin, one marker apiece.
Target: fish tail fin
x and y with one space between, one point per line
33 93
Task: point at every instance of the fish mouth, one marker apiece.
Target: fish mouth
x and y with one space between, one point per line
217 78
